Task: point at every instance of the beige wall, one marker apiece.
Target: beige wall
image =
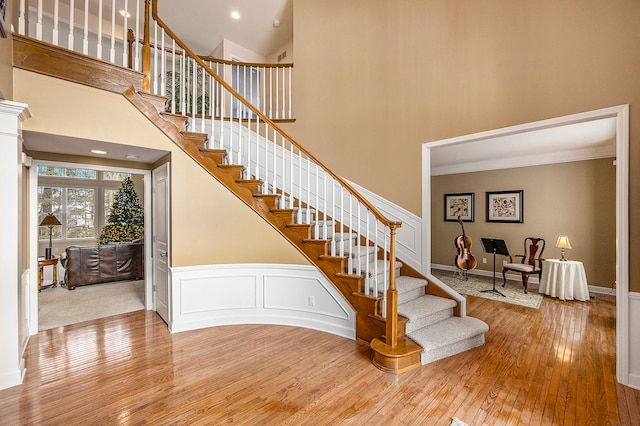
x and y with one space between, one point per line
209 225
378 79
575 199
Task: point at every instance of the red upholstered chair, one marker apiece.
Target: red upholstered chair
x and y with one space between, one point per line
531 263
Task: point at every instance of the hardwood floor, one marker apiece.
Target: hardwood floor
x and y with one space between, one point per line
552 366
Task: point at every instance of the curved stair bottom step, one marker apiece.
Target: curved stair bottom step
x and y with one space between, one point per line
449 337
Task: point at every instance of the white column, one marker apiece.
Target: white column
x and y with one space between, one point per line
12 317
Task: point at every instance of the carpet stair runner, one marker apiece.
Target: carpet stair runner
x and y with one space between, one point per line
426 319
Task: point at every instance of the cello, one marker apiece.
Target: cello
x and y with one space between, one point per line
464 259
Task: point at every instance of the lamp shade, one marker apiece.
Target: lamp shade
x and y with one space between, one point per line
50 220
563 242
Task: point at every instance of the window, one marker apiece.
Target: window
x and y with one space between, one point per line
65 172
49 201
80 198
80 209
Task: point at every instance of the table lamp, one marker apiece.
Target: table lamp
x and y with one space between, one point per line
50 221
563 243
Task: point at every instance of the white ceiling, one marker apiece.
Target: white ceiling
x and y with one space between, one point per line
43 142
203 24
571 142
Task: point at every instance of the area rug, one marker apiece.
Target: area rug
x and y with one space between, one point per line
58 306
474 285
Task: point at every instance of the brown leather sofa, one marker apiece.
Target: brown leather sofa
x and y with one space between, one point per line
98 264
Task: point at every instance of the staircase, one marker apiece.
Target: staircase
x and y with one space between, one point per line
428 328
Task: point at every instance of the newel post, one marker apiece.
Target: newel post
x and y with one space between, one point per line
146 49
392 292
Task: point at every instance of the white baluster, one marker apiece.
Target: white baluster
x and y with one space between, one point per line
203 110
375 255
290 89
342 230
333 216
351 227
39 21
283 97
193 89
277 93
385 271
325 225
291 176
99 46
85 36
71 25
271 93
112 52
309 191
173 77
274 181
263 99
137 43
56 19
299 186
222 117
125 44
183 80
316 228
22 21
155 58
163 67
358 246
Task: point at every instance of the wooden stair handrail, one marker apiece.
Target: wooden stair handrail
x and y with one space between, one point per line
154 13
245 64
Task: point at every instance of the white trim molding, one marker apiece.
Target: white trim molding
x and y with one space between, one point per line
14 303
296 295
634 340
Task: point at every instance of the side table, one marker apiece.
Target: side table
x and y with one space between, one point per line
42 262
565 280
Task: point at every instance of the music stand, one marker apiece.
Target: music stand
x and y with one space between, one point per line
492 245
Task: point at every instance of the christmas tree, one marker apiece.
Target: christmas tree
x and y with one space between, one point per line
126 220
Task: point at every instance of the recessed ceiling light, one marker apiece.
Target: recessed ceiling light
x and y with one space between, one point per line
235 14
99 151
132 157
124 12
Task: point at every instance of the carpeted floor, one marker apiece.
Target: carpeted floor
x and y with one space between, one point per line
513 291
58 306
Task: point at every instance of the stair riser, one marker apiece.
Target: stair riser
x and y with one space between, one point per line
427 357
410 295
435 317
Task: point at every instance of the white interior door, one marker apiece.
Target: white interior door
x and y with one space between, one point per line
161 241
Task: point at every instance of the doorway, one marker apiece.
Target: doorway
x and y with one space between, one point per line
34 250
621 116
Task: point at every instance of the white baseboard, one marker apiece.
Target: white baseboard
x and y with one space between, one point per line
295 295
633 376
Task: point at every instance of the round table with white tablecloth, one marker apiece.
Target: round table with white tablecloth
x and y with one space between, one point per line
565 280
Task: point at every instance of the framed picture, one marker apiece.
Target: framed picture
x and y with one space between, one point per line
505 206
458 205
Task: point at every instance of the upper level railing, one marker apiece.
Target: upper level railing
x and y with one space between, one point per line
103 30
210 93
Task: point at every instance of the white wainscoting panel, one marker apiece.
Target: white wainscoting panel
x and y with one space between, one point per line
296 295
634 340
408 237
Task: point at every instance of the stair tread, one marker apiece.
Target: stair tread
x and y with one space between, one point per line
447 332
424 306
